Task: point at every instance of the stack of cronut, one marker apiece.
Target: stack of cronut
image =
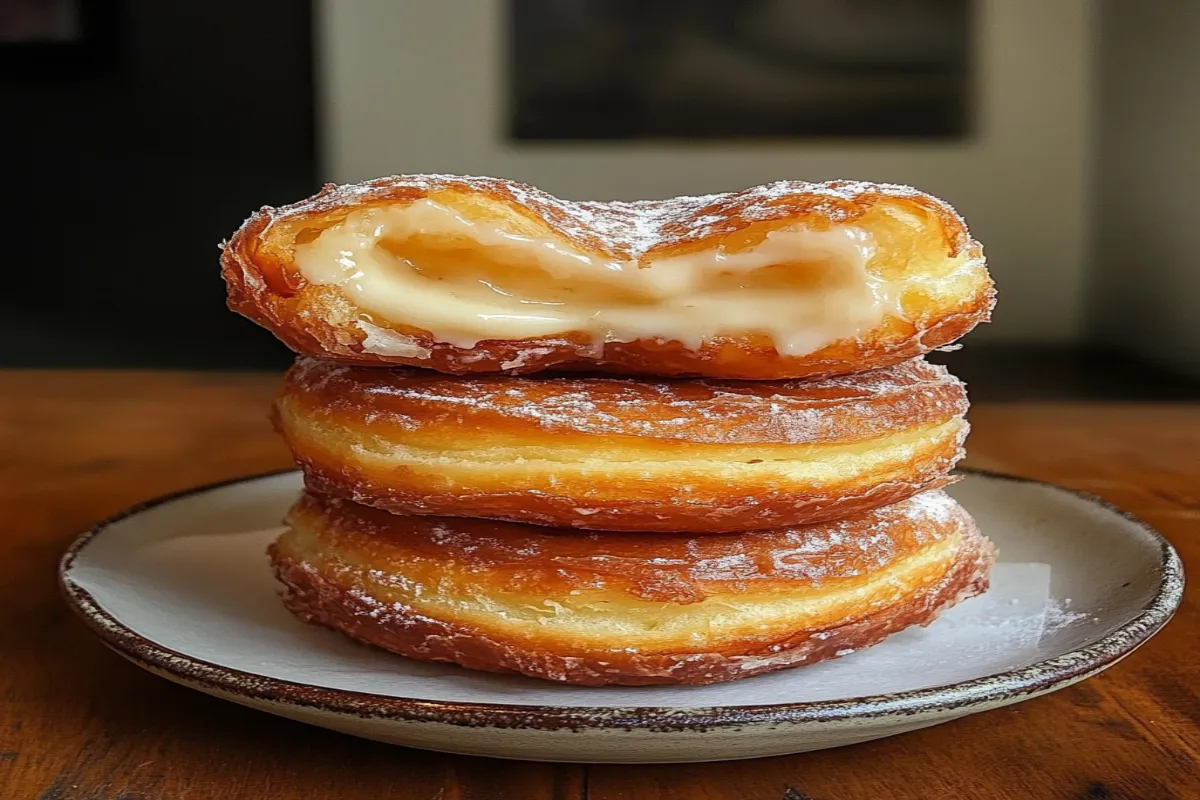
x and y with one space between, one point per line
676 441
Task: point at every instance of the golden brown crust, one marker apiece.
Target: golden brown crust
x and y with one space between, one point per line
613 454
265 286
852 408
372 575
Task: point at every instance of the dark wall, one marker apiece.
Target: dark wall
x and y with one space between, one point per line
125 173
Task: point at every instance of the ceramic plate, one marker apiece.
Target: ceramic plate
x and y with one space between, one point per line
181 587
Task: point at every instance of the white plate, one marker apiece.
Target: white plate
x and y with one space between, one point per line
181 587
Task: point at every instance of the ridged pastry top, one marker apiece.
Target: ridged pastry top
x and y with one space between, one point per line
515 558
846 409
630 230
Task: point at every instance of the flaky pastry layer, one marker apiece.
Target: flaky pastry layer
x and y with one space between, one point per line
596 453
467 275
624 608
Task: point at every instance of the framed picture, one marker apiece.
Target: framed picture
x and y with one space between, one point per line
717 69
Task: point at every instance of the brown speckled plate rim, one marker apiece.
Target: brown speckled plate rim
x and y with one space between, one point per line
950 700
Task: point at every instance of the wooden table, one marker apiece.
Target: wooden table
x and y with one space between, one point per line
77 722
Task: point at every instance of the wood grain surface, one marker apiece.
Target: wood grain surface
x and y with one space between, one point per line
79 723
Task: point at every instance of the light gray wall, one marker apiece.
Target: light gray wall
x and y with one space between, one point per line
415 86
1147 216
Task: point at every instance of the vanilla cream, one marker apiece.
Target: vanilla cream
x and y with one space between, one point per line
426 266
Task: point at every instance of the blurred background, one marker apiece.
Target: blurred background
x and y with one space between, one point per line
142 133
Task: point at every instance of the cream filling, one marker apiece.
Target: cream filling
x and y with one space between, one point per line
427 266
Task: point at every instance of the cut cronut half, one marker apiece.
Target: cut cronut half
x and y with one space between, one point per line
469 275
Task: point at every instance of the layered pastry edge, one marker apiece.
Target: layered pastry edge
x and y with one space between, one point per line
622 608
613 454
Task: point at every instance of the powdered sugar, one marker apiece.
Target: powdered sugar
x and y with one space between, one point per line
935 506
